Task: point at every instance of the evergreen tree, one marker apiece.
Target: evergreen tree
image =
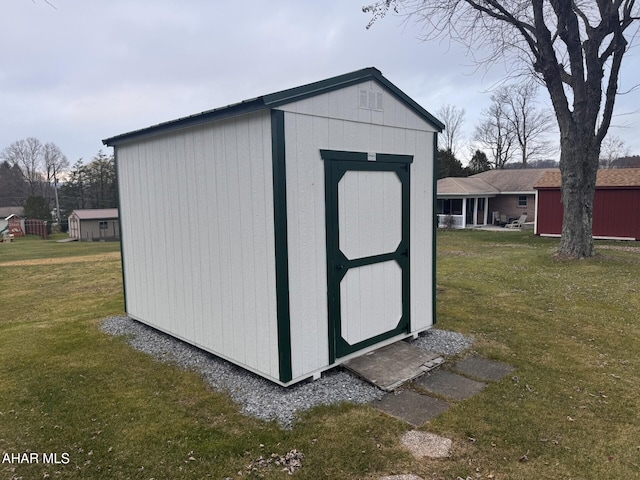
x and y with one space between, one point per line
479 163
449 165
36 207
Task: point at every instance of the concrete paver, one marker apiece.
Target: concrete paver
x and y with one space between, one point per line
425 444
411 406
450 385
483 368
391 366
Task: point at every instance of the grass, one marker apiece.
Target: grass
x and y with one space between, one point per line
570 411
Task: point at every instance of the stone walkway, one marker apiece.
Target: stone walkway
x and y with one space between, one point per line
432 394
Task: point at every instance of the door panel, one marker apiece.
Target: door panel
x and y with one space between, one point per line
367 205
369 213
370 301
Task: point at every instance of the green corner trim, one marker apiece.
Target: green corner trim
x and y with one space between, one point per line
281 247
122 261
434 235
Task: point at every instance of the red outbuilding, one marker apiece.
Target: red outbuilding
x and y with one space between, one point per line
616 205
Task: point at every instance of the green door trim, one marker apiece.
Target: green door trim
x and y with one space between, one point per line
337 163
122 255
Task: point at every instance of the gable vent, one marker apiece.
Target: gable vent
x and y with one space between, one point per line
370 100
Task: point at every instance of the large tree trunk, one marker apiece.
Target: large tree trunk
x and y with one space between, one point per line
578 166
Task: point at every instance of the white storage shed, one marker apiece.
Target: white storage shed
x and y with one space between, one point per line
307 225
94 224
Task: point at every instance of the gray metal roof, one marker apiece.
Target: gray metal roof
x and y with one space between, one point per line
96 213
274 100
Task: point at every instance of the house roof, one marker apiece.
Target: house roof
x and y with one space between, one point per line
465 186
274 100
96 213
607 178
513 181
492 182
6 211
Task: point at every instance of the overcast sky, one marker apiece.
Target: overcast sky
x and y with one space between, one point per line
91 69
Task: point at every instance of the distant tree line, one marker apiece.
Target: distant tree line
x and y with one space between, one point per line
37 176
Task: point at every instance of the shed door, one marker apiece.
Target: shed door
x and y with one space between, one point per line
367 249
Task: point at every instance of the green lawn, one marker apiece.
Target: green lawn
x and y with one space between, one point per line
571 330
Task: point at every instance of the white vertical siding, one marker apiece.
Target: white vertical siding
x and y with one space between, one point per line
422 221
198 239
334 121
306 242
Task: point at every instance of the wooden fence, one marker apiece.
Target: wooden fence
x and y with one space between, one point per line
36 227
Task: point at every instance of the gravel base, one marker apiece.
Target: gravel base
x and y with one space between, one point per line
260 397
444 342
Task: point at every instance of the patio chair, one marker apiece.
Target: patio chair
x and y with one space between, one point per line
517 223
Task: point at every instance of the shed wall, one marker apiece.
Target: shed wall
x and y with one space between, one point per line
550 212
90 229
335 121
196 208
616 213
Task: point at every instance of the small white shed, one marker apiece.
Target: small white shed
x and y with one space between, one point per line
307 225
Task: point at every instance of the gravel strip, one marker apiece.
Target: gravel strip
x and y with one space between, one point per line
260 397
444 342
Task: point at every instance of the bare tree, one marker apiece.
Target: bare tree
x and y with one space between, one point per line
529 124
575 48
453 118
40 166
612 149
496 132
55 163
27 154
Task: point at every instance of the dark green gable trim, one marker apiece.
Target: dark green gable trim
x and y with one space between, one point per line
346 80
276 99
230 111
281 247
124 282
435 227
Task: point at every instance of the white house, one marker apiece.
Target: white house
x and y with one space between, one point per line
491 197
308 225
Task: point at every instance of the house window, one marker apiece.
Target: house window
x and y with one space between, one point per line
522 200
450 206
103 225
